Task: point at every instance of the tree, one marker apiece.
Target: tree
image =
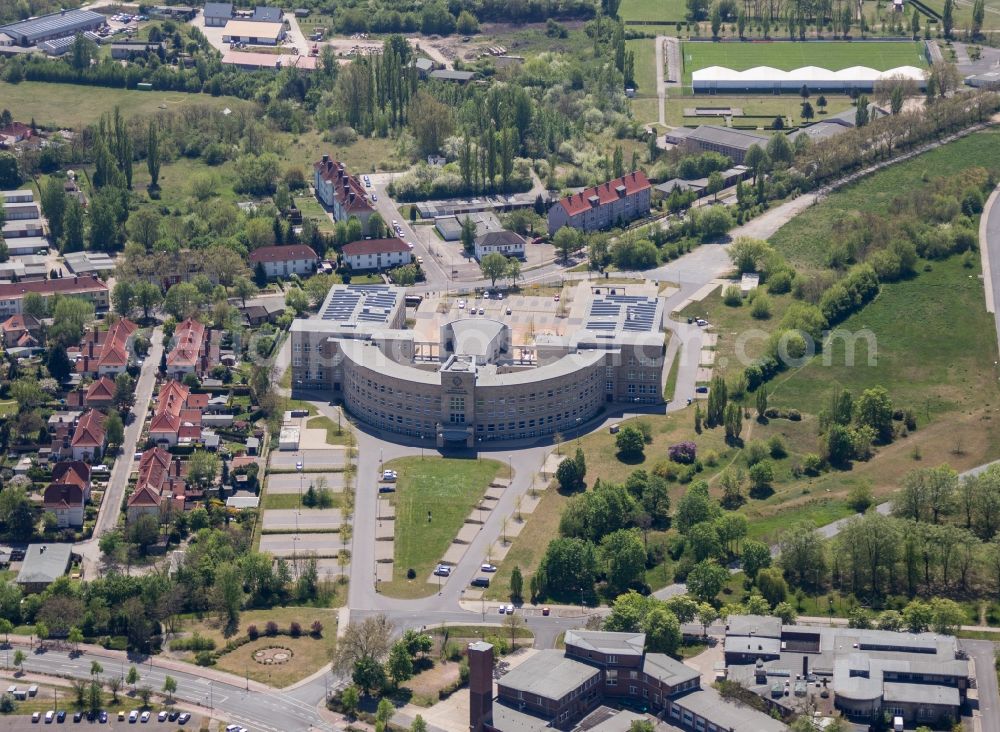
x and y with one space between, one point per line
145 694
516 585
170 687
567 241
717 398
874 409
70 317
821 103
53 200
513 270
861 117
493 267
58 363
123 297
133 677
399 667
19 659
203 467
756 159
625 557
369 639
807 111
978 16
144 531
147 297
182 300
715 184
349 700
802 557
948 17
569 475
10 171
369 675
153 155
72 227
568 568
114 430
630 442
144 227
419 725
96 669
716 21
115 685
662 629
733 421
706 580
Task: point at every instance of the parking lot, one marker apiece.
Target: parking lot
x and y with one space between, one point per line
310 459
286 545
311 519
23 723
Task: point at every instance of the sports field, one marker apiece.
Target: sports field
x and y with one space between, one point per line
788 55
663 11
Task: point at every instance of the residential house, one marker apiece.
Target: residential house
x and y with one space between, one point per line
20 331
178 416
194 350
613 203
262 310
503 242
89 437
376 254
68 492
341 192
129 50
281 261
100 394
43 564
11 294
106 352
266 14
218 14
160 487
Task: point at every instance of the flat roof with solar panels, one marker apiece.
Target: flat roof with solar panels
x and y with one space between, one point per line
376 304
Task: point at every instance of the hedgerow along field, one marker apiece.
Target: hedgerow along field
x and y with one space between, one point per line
788 55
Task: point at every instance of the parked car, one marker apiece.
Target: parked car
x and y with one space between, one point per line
701 390
482 312
702 322
510 609
442 570
389 476
77 716
173 715
102 717
35 717
184 718
461 304
161 717
545 611
486 567
61 716
49 716
508 311
374 198
481 581
386 489
121 715
502 609
613 429
144 717
133 717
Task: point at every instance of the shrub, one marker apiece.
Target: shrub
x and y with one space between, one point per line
761 477
780 282
761 307
754 452
683 452
411 573
812 464
252 632
295 629
794 415
732 296
205 658
317 629
777 448
710 458
271 628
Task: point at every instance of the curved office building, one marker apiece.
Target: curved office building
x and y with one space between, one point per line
474 383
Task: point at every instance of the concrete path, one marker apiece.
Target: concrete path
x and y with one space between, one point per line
989 248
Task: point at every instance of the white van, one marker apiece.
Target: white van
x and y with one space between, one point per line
897 724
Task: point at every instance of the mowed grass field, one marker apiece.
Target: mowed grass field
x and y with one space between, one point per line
446 489
788 55
645 66
71 105
663 11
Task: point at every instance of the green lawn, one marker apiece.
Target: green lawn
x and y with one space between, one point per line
72 105
788 55
334 435
664 11
447 488
645 66
8 408
763 106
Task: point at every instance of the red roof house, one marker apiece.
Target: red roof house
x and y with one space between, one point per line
100 394
89 437
177 419
160 479
69 490
19 330
192 351
609 204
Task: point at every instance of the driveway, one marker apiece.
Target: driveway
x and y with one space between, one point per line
107 517
984 654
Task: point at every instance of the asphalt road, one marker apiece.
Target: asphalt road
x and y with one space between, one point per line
107 516
983 652
989 235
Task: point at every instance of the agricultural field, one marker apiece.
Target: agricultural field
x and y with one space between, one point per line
663 11
788 55
71 105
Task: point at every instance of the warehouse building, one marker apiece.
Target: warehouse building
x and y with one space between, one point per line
218 14
725 140
55 25
253 32
715 79
474 381
60 46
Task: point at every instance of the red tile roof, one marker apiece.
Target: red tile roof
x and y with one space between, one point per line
189 339
178 411
89 430
64 286
114 352
102 390
286 253
343 185
19 322
62 496
605 193
73 472
375 246
154 469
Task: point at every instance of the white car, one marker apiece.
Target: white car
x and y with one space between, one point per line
510 609
35 716
389 476
482 312
442 570
49 716
374 198
486 567
133 716
161 717
184 717
508 311
461 304
144 718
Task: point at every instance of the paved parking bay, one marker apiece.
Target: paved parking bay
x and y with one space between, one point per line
311 459
285 545
23 723
309 519
289 483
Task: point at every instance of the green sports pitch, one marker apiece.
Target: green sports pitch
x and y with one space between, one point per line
788 55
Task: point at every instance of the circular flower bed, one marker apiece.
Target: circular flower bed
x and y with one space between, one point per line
272 655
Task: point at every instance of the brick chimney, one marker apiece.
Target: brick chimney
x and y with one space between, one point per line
480 685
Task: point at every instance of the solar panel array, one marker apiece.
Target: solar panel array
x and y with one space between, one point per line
377 303
606 313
